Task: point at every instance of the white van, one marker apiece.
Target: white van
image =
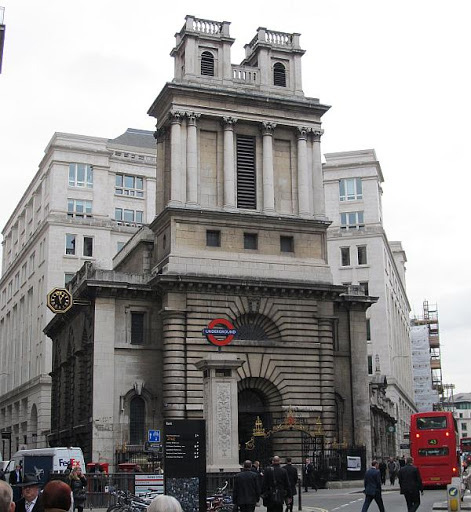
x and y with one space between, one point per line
42 461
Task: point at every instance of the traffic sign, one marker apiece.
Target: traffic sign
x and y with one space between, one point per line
153 436
391 428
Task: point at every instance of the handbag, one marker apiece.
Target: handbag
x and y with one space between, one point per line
80 495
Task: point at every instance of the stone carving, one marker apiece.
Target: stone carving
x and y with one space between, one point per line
138 385
176 116
268 128
223 418
192 118
316 134
229 122
302 132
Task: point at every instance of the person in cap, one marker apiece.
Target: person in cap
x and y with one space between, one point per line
31 500
6 498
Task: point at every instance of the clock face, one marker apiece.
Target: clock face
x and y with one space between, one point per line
59 300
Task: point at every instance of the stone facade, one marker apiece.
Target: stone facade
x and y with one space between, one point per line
75 192
360 255
239 233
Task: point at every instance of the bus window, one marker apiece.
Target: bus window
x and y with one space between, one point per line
431 422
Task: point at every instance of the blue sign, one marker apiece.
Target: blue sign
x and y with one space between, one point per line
153 436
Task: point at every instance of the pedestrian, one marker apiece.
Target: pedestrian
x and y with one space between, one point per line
31 501
293 481
410 482
256 468
308 474
382 471
276 489
56 496
78 484
247 488
373 487
6 497
16 477
392 470
2 474
402 461
164 503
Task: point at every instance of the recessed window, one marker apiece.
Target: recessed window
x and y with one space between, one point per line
77 208
368 329
286 244
70 244
350 189
68 276
352 220
345 256
80 175
213 238
126 216
362 259
88 246
364 286
137 421
207 64
370 365
127 185
246 173
250 241
279 75
137 328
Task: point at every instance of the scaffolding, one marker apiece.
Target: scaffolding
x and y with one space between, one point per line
430 319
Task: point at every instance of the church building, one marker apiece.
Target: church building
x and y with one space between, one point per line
240 234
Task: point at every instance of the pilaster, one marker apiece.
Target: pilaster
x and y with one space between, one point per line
317 176
176 198
192 159
229 163
268 173
303 180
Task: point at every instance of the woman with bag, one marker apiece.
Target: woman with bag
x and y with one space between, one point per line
78 484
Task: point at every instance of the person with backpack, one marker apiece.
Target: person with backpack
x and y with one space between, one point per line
276 488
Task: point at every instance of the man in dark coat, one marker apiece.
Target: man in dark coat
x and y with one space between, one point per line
276 489
16 477
308 474
382 470
31 500
247 490
410 482
373 488
293 481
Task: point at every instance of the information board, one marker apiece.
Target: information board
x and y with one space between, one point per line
143 484
185 463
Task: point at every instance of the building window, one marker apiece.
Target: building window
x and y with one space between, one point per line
129 185
246 173
286 244
137 417
78 208
279 75
125 216
345 256
250 241
464 427
70 243
364 286
352 220
368 329
207 64
370 365
68 276
137 328
362 259
80 175
88 246
350 189
213 238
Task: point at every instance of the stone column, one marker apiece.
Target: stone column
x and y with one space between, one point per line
328 380
229 163
303 188
176 158
268 171
317 175
221 411
173 387
192 159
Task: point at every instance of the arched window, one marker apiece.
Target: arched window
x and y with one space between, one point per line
207 64
137 417
279 75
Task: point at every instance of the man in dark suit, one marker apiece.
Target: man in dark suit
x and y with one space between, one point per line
373 488
410 482
308 475
246 491
293 480
276 488
16 477
31 500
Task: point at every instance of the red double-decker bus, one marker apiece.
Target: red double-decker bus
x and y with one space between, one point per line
434 447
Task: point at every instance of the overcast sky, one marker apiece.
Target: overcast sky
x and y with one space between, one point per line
396 73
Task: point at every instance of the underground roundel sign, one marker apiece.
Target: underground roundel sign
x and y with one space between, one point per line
220 332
